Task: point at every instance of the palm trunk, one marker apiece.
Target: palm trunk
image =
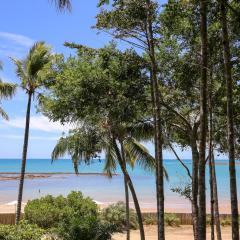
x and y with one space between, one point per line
158 126
230 123
195 164
24 159
131 188
126 195
203 124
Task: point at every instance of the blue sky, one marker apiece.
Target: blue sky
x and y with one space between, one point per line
22 23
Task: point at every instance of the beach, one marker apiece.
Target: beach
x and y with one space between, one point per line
172 233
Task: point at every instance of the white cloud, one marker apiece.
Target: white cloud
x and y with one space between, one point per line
17 38
14 45
40 123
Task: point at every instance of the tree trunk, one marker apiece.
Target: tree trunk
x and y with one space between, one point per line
216 207
131 187
126 195
212 171
210 156
157 124
212 202
230 123
203 124
24 159
195 160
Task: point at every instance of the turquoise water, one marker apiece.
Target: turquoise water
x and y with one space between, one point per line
102 188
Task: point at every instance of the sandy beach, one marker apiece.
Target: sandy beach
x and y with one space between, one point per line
172 233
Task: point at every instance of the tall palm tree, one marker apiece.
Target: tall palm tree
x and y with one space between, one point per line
7 90
84 144
31 71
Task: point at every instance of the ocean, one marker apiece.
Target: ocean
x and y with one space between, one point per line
105 190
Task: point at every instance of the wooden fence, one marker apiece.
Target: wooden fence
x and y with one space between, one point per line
8 218
185 218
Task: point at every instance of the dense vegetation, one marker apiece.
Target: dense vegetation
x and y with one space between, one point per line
177 84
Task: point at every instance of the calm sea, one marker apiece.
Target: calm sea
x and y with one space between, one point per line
103 189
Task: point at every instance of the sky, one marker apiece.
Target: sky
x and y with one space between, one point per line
21 24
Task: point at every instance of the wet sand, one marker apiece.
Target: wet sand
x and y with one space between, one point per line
172 233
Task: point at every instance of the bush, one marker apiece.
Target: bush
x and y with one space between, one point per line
72 218
171 220
115 214
23 231
150 219
225 222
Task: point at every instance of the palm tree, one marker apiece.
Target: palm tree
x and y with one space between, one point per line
84 144
7 90
31 71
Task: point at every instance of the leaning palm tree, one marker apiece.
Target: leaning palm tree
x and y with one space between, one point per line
7 90
31 72
86 143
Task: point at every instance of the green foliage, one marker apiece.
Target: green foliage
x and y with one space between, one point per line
171 220
150 219
23 231
116 214
184 190
226 222
34 69
72 218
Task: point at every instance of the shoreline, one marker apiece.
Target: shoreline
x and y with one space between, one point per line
5 176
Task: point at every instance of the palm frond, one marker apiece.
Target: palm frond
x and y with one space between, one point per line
142 131
137 153
7 90
63 4
110 162
60 149
20 70
3 114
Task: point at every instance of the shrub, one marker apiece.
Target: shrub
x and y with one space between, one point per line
171 220
72 218
115 214
150 219
23 231
225 222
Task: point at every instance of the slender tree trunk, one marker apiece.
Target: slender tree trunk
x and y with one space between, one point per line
24 159
203 124
195 164
126 195
212 171
131 188
212 202
230 123
158 126
210 155
216 206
